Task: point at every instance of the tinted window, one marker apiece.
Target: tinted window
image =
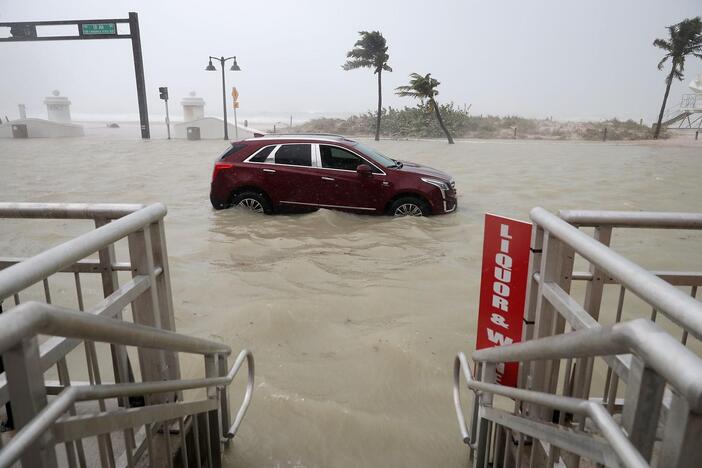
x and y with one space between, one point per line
297 155
337 158
232 150
263 154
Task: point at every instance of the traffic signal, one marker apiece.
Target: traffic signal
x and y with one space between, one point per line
163 93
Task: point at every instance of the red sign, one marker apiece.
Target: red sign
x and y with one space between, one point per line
503 287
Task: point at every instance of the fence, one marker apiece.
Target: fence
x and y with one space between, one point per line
137 416
554 417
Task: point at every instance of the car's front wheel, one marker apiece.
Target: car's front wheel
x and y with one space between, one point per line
253 201
409 206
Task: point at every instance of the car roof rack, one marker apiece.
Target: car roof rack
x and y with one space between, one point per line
327 136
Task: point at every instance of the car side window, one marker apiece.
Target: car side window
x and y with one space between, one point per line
296 155
262 154
334 157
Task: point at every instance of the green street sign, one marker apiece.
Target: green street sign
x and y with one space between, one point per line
98 29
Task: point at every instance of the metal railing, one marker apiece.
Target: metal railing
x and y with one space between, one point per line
147 413
662 375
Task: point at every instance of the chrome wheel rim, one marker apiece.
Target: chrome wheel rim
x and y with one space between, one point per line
408 209
251 204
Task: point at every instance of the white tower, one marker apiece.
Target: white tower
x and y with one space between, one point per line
58 107
696 87
193 107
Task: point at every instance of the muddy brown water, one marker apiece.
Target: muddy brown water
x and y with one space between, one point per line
354 320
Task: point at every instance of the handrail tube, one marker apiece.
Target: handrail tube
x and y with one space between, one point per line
49 414
31 318
609 429
249 389
673 303
633 219
68 210
34 269
660 351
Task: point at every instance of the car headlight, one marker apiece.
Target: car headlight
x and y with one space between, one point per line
436 182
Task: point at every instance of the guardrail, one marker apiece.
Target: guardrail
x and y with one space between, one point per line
148 409
662 377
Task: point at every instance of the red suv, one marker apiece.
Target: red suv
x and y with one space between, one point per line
268 173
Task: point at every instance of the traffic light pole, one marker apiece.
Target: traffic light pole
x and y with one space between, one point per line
168 121
92 29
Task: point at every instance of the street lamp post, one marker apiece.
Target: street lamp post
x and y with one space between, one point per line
234 67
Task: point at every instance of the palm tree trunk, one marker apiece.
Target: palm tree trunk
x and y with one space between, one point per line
441 121
668 82
380 107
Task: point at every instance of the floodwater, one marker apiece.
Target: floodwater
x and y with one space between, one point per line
354 321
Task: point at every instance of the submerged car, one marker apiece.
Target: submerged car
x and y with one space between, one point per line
275 172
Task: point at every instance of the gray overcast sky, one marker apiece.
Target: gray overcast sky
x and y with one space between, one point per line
568 59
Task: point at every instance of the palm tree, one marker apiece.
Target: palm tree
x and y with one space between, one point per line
685 39
424 87
370 51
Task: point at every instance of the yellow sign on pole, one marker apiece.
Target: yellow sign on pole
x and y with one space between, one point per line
236 104
235 93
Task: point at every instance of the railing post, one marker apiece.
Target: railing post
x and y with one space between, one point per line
556 267
642 407
592 303
483 432
213 415
110 283
28 396
163 288
681 440
225 419
146 307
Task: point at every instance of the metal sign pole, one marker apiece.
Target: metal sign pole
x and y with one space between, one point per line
92 29
139 72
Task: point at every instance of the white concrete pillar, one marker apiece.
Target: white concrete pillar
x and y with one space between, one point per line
193 107
58 107
22 111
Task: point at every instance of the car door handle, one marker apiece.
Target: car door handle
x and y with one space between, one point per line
269 170
327 178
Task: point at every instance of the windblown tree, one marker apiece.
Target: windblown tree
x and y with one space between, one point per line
424 89
685 39
371 51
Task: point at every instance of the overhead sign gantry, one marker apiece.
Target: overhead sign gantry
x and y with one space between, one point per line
91 29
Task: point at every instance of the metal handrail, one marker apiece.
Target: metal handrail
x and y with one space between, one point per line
681 368
610 430
31 270
633 219
671 302
68 210
50 413
31 318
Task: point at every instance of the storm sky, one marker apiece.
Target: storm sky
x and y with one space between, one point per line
567 59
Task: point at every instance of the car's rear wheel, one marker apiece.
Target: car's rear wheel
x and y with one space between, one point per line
253 201
409 206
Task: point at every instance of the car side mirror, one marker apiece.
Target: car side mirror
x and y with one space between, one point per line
364 170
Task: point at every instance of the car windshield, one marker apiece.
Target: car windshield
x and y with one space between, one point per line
377 156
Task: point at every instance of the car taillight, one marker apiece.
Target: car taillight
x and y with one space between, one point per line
220 166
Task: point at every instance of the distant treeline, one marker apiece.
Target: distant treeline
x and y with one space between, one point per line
419 122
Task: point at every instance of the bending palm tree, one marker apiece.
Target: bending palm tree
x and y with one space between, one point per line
424 87
370 51
685 39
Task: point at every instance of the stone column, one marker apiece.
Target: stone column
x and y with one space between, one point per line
193 107
58 107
